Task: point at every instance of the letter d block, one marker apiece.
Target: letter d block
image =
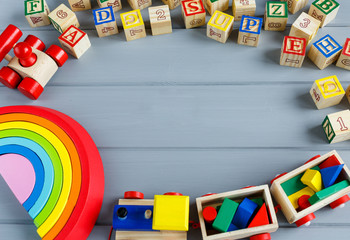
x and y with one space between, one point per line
75 41
276 16
324 10
62 18
249 31
344 59
37 13
193 13
336 126
79 5
324 52
134 27
115 4
220 26
105 22
293 52
216 5
327 92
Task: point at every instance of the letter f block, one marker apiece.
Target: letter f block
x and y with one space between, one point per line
37 13
293 52
105 22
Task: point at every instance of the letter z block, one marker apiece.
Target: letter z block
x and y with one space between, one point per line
172 3
295 5
276 16
327 92
243 7
75 41
105 22
193 13
336 126
37 13
62 18
139 4
160 20
216 5
344 59
324 10
293 51
305 26
324 52
133 24
249 31
80 5
115 4
220 26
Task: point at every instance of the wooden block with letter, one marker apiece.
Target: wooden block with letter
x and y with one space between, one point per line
80 5
160 20
133 25
220 26
62 18
105 22
216 5
324 10
75 41
37 13
305 26
295 5
336 126
243 7
193 13
293 51
249 31
276 16
139 4
344 59
172 3
115 4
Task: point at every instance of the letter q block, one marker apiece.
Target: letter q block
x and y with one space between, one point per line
75 41
337 126
293 52
62 18
344 59
324 10
134 27
105 22
249 31
220 26
37 13
193 13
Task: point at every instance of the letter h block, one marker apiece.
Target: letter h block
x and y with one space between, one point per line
37 13
220 26
80 5
105 22
216 5
75 41
324 10
62 18
160 20
293 51
193 13
276 16
327 92
324 52
344 59
336 126
305 26
115 4
249 31
133 24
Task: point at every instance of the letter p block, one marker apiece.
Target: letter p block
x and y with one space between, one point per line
133 25
249 31
105 22
293 52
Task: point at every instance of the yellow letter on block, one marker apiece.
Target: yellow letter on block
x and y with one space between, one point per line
313 179
133 25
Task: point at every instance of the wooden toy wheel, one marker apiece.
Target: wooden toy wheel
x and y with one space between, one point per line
305 220
9 78
133 195
277 177
57 54
8 39
311 159
173 194
340 202
35 42
264 236
30 88
209 214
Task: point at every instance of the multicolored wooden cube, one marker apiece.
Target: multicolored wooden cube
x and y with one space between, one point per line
75 41
37 13
305 26
249 31
324 52
115 4
243 7
216 5
139 4
62 18
172 3
105 22
344 59
327 92
336 126
80 5
193 13
324 10
220 26
276 16
293 51
133 25
295 5
160 20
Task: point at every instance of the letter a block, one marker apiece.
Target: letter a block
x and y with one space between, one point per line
249 31
62 18
324 10
293 51
193 13
305 27
37 13
133 25
327 92
115 4
160 20
172 3
243 7
139 4
220 26
336 126
80 5
344 59
75 41
105 22
295 5
216 5
276 16
324 52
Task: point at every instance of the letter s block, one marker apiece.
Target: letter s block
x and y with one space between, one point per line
220 26
75 41
293 52
193 13
344 59
337 126
37 13
105 22
324 10
249 31
134 27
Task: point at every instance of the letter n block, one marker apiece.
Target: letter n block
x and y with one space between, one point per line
80 5
216 5
337 126
105 22
344 59
243 7
295 5
134 27
75 41
249 31
172 3
139 4
193 13
37 13
324 52
62 18
293 51
305 26
220 26
276 16
115 4
160 20
327 92
324 10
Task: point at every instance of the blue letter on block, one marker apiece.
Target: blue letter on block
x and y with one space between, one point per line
251 24
327 46
104 15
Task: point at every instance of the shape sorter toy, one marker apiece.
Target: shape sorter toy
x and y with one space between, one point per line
295 5
293 51
249 31
62 18
243 7
105 22
193 13
80 5
305 26
75 41
324 10
160 20
37 13
220 26
216 5
276 16
336 126
248 212
344 59
172 3
321 181
133 24
115 4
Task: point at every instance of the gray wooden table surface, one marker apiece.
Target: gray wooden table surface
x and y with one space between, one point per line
182 112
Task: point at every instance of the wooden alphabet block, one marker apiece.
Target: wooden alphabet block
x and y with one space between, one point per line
327 92
80 5
172 3
295 5
75 41
293 51
276 16
193 13
115 4
336 126
243 7
139 4
220 26
305 26
324 10
344 59
324 52
37 13
62 18
249 31
105 22
160 20
133 24
216 5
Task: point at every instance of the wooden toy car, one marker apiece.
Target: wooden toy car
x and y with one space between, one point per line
31 68
296 194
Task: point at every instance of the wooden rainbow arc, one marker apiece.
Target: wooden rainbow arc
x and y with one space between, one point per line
54 169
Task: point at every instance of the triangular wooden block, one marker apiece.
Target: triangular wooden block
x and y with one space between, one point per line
330 174
261 218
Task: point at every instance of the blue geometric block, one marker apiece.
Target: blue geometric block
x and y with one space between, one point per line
330 175
103 15
244 213
248 23
232 228
327 46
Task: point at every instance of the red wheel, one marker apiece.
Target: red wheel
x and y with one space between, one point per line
8 38
248 187
311 159
35 42
277 177
263 236
30 88
9 78
208 194
339 202
57 54
173 194
133 195
303 202
209 214
305 220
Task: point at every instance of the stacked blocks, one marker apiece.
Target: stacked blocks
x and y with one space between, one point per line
160 20
220 26
244 213
62 18
225 215
75 41
293 51
249 31
276 16
133 24
105 22
115 4
243 7
139 4
305 26
324 10
80 5
37 13
295 5
216 5
193 13
312 178
336 126
344 59
172 3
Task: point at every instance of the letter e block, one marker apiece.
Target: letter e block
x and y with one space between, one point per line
160 20
139 4
172 3
249 31
293 52
62 18
344 59
336 126
105 22
193 13
115 4
220 26
295 5
216 5
305 26
75 41
327 92
276 16
79 5
133 25
37 13
324 10
243 7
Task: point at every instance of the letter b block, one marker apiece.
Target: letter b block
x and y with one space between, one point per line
37 13
293 51
105 22
220 26
134 27
276 16
75 41
249 31
193 13
336 126
344 59
324 10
